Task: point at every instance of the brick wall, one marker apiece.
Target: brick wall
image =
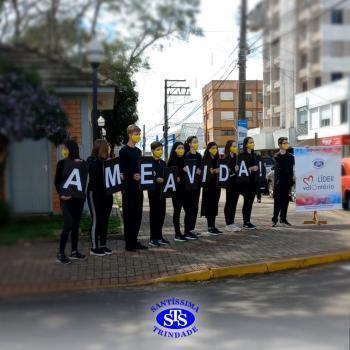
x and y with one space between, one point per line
73 109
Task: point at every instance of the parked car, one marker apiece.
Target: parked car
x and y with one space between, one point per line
270 177
345 182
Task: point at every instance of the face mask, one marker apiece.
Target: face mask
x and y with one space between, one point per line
213 151
285 146
65 153
136 138
233 149
251 146
195 146
158 153
180 152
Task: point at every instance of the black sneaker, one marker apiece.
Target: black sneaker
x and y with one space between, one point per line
180 238
140 246
212 232
97 252
196 233
77 256
191 236
154 243
163 242
249 226
218 231
286 223
62 259
106 250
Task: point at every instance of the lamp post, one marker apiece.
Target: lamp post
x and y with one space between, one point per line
101 124
94 55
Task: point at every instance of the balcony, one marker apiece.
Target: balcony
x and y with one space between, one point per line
316 37
277 84
302 73
316 67
277 109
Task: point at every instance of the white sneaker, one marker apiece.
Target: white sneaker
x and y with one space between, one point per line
195 232
232 228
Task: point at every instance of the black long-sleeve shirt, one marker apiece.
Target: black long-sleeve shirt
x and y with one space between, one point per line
158 171
283 172
196 156
96 175
129 160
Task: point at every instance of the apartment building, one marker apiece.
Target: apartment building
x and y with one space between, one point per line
306 45
220 108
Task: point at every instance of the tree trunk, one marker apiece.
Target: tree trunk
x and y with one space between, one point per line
3 155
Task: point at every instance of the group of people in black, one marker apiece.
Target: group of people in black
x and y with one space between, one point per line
100 204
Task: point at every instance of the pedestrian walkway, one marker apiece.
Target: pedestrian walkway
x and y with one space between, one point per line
32 268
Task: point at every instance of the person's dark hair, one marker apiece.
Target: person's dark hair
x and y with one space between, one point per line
187 143
73 149
245 143
281 140
227 151
156 144
173 154
206 152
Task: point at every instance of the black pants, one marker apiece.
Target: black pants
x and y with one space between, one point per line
281 202
100 206
178 203
157 206
248 195
191 209
72 210
132 214
232 196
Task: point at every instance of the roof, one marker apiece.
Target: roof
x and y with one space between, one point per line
54 72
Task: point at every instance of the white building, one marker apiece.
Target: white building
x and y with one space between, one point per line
324 112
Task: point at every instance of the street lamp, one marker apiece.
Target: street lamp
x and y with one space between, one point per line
94 55
101 124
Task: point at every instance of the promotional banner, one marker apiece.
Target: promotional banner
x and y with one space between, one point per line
75 176
113 181
318 178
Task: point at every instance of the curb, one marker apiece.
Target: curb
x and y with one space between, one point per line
196 276
257 268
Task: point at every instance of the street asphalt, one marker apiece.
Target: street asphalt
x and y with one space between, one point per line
304 309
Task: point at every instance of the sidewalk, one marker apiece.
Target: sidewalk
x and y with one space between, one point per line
32 268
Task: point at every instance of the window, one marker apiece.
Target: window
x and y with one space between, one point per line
317 81
315 118
344 112
227 115
315 55
248 96
303 60
227 132
226 96
325 116
302 116
337 16
336 76
248 114
260 116
304 86
336 110
260 97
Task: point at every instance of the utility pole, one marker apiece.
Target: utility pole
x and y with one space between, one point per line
143 139
242 61
170 89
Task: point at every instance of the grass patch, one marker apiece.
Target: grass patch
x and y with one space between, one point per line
32 228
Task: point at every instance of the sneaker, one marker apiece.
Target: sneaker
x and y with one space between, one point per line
106 250
285 223
249 226
62 259
97 252
77 256
196 233
218 231
141 246
163 242
154 243
274 224
232 228
180 238
213 232
191 236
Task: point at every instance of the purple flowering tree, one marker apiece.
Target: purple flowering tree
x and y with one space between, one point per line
27 111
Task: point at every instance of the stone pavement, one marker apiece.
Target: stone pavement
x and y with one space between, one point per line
31 267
